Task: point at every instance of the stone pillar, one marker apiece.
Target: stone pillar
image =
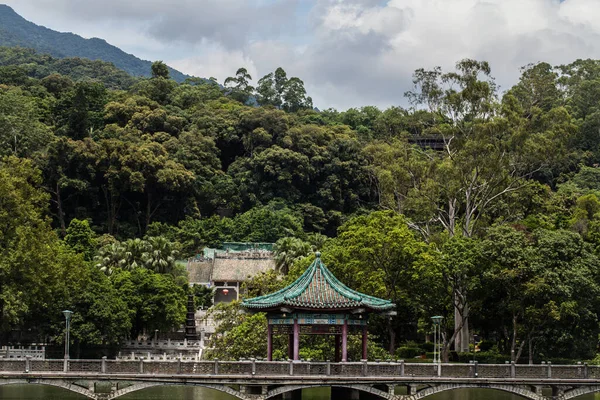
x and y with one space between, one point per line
28 363
557 392
296 340
411 389
269 342
103 368
345 341
364 342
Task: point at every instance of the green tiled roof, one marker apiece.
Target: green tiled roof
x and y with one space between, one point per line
318 288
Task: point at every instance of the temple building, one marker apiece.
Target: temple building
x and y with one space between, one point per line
226 269
317 303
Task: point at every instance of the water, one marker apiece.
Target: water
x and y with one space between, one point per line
40 392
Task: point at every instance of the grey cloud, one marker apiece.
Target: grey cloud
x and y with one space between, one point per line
231 23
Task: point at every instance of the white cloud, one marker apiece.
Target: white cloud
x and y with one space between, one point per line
348 52
214 61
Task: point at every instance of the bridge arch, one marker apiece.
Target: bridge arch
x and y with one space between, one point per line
570 394
519 391
363 388
144 385
51 382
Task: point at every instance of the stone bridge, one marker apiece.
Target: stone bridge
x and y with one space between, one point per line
260 380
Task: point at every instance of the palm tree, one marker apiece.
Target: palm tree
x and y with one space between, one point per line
159 255
110 257
134 253
288 250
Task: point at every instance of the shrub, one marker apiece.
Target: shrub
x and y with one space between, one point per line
427 346
408 352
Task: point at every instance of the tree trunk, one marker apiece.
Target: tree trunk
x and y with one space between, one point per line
461 326
392 336
530 350
60 211
513 342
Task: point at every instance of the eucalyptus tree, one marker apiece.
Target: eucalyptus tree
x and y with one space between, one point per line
239 85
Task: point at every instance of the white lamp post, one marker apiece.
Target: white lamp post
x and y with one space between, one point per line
67 314
437 321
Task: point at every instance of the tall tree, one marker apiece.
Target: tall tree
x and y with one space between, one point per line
239 85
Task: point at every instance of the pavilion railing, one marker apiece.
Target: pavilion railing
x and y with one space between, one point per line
302 368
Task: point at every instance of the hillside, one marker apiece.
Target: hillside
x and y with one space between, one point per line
17 31
17 63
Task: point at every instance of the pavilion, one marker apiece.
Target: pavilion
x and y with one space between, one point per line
317 303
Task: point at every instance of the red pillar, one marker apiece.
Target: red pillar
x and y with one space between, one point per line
345 341
290 346
364 342
269 342
337 347
296 340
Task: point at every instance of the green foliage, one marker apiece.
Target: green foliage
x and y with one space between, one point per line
81 238
477 203
237 335
155 301
203 296
408 352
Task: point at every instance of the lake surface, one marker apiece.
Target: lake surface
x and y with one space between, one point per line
39 392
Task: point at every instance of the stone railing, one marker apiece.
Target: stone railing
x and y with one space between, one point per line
290 368
163 344
37 352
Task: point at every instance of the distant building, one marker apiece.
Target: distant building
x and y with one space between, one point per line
227 268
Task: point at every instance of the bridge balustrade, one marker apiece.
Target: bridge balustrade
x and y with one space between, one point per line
272 368
12 365
286 368
122 367
168 367
531 371
347 369
382 369
593 372
85 366
202 368
458 370
568 372
420 370
493 371
46 365
235 367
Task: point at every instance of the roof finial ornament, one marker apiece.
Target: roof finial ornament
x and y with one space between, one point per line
318 254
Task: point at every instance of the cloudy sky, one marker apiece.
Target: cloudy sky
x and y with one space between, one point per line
349 53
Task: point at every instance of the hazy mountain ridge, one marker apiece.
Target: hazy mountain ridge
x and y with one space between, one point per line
17 31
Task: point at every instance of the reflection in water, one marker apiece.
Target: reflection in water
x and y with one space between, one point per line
40 392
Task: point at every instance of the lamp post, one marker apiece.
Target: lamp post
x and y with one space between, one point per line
437 321
67 314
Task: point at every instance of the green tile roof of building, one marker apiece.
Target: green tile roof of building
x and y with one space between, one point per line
317 288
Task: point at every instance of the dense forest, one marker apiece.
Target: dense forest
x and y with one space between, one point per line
106 180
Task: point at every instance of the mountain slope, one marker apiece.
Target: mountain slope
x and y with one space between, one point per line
17 31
